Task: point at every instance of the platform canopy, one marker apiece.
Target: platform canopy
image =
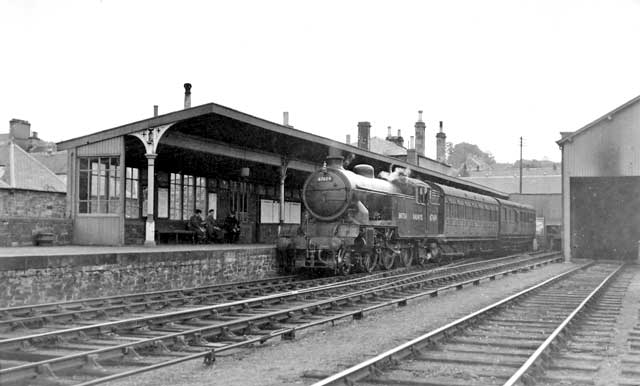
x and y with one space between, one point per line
218 129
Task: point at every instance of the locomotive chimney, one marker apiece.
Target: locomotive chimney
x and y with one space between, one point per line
187 95
441 138
335 161
420 131
364 129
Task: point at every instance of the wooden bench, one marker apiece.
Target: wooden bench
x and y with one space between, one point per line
177 234
44 238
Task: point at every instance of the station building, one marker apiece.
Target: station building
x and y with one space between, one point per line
138 182
601 186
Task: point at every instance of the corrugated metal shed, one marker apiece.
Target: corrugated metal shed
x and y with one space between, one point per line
606 147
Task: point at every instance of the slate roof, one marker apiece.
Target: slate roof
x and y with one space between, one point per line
530 184
382 146
55 161
29 173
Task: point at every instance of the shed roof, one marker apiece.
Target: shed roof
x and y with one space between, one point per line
568 137
260 134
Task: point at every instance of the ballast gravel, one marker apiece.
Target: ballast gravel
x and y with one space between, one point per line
326 349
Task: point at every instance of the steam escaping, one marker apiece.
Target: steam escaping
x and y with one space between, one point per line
348 160
398 175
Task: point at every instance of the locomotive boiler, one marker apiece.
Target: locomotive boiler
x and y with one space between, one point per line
357 222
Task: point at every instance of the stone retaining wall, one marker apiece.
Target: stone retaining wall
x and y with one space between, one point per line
43 279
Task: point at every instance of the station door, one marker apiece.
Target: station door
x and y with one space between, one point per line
605 217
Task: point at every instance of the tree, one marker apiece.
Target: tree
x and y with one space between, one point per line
458 154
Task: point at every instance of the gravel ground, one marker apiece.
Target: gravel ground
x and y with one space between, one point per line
328 349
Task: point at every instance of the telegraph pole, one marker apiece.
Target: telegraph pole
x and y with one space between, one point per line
520 165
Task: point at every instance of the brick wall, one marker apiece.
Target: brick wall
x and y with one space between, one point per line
134 230
25 213
44 279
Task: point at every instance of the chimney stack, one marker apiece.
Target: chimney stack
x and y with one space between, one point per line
155 110
285 118
187 95
420 133
19 129
441 138
412 155
364 129
398 140
348 139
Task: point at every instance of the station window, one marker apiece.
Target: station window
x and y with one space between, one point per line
188 196
132 192
201 194
175 196
240 199
99 184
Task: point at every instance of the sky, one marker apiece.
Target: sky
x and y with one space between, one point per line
492 70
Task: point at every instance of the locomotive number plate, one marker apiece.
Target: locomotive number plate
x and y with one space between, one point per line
417 217
325 179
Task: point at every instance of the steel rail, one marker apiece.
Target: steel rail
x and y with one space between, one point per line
123 349
350 375
243 303
547 344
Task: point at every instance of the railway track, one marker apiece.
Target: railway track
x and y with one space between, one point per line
91 352
507 343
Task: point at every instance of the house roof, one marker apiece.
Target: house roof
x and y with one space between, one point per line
530 184
55 161
568 137
22 171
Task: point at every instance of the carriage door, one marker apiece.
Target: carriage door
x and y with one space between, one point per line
434 217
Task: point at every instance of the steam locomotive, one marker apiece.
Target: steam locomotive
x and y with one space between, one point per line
357 222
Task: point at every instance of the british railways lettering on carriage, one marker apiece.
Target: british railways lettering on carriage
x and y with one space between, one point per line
357 222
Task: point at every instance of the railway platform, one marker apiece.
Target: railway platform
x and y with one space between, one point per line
33 275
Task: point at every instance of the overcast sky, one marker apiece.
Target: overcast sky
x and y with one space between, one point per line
491 70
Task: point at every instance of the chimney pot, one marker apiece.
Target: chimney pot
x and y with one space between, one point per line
441 139
399 133
348 139
187 95
419 115
285 118
388 131
155 110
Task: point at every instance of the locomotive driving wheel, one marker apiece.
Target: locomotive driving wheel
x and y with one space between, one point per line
368 261
406 256
387 258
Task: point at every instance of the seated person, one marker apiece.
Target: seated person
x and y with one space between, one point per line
196 224
214 232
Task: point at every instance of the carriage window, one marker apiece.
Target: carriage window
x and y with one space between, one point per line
420 195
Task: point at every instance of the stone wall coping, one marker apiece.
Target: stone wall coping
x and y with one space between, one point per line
25 258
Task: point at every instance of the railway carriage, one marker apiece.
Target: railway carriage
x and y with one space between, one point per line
356 221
